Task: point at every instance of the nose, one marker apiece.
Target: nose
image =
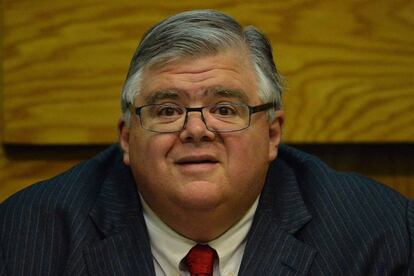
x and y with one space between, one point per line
195 130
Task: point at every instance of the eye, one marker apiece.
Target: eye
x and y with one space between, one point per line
224 110
169 111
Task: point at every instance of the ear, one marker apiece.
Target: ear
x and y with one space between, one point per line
124 139
275 134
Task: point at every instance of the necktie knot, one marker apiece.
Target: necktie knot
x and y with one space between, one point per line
200 260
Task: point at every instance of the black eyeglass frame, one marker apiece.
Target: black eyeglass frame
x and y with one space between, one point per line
252 110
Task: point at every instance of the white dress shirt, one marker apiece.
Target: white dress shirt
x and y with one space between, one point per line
169 248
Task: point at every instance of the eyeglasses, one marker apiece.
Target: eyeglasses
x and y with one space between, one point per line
222 117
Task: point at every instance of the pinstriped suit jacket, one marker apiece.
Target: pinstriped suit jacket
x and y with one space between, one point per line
311 220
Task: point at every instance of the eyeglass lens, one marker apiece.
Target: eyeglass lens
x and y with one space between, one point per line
171 118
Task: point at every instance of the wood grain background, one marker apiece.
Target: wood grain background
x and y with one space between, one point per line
349 66
349 69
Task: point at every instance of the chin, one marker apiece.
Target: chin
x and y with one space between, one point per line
200 206
200 196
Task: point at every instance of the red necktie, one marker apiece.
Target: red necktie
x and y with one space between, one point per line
200 260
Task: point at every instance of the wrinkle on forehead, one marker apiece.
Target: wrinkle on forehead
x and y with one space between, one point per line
196 71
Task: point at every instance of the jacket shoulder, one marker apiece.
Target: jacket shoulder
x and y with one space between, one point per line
66 190
50 217
352 215
315 176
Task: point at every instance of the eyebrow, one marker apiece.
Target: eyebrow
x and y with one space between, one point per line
174 94
229 93
162 94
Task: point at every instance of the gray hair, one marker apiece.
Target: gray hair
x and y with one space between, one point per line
196 33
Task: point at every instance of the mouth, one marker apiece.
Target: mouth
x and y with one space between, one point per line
197 160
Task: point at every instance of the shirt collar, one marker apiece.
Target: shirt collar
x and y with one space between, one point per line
169 248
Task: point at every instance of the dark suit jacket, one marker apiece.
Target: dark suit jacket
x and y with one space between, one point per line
311 220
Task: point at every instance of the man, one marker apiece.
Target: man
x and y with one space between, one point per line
200 176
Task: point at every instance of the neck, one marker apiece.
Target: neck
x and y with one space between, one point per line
201 225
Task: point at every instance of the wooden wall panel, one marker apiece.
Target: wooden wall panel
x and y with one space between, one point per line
348 65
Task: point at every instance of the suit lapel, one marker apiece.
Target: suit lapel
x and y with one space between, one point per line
272 248
121 254
124 248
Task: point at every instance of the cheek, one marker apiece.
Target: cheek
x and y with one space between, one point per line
148 152
247 153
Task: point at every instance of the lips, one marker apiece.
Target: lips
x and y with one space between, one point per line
197 159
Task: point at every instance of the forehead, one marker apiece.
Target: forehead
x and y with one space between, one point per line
228 73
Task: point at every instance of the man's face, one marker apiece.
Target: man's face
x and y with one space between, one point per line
196 169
